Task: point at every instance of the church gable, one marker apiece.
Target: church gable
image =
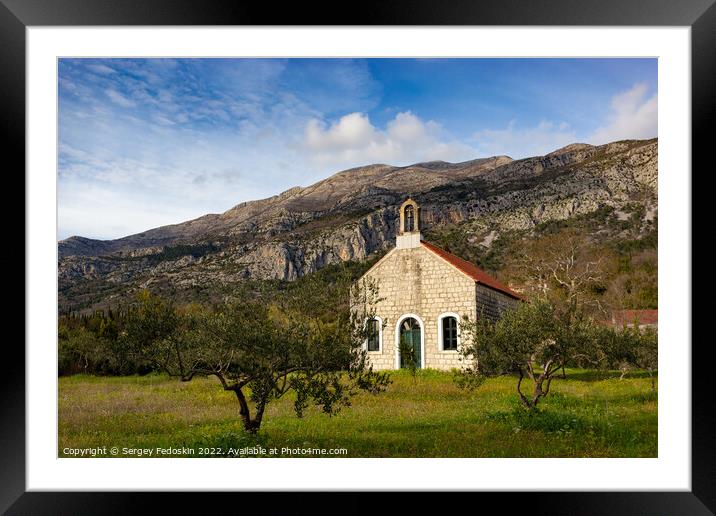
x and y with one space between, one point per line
417 278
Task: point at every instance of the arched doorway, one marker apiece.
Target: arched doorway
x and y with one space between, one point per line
410 342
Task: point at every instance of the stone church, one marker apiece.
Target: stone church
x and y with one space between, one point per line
424 293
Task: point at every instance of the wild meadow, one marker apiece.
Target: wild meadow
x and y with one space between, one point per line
587 414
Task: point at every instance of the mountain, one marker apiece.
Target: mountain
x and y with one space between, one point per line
351 216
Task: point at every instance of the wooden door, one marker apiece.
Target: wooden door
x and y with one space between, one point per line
411 344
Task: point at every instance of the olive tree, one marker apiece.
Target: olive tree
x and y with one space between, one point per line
259 351
646 355
78 350
632 347
531 341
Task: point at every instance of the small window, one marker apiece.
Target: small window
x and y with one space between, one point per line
449 333
409 219
373 335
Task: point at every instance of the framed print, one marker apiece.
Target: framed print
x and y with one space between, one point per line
415 250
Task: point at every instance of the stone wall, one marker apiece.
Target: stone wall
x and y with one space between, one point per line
491 303
416 281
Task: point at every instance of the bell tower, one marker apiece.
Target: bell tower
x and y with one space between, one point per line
409 229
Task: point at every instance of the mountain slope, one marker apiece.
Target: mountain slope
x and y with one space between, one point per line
352 215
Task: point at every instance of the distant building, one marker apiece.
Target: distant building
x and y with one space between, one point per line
642 318
425 291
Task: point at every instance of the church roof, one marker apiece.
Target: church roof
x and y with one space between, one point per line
471 270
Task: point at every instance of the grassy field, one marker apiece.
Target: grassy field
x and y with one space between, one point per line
589 414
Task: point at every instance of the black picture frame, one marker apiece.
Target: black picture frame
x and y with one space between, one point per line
16 15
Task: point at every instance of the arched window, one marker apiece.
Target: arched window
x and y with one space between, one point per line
448 332
409 218
374 331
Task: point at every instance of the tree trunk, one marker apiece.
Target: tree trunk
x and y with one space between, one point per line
250 425
538 393
259 415
525 400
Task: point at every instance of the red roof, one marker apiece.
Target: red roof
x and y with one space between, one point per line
471 270
621 317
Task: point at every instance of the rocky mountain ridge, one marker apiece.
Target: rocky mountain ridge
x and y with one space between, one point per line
352 214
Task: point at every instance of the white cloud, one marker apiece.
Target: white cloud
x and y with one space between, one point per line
353 140
350 132
633 115
119 99
101 69
520 142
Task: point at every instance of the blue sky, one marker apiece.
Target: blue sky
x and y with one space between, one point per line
149 142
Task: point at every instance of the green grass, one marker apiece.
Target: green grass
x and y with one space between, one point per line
589 414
